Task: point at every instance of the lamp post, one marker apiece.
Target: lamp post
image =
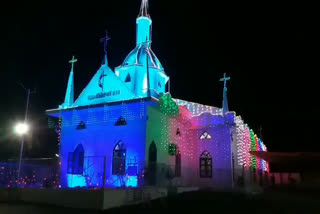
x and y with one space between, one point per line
22 128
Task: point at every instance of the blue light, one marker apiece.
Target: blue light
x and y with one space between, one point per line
132 181
99 139
76 181
143 30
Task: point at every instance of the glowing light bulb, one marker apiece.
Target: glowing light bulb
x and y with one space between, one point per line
21 128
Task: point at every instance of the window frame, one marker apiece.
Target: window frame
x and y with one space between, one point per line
119 161
81 126
121 121
205 161
75 164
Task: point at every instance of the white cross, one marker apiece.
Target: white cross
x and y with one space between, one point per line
225 79
72 61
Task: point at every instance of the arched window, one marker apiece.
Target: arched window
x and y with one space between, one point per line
81 125
152 164
178 132
121 122
152 152
178 164
205 135
119 159
172 150
205 165
76 160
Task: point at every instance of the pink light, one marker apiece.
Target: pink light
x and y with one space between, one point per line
257 149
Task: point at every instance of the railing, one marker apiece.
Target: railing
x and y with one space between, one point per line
96 172
35 173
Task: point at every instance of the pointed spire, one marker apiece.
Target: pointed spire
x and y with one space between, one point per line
144 9
68 100
144 24
225 107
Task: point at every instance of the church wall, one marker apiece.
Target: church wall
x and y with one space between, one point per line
139 82
163 130
123 71
157 132
185 145
138 76
238 151
219 147
157 81
99 139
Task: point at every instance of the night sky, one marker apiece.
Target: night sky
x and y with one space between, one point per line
266 47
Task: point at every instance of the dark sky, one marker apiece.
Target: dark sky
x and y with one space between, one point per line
265 46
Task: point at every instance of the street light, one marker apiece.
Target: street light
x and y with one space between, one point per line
21 128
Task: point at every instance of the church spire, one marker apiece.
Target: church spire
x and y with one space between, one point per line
68 100
144 9
144 25
225 107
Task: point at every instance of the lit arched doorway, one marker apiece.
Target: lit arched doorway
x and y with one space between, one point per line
119 159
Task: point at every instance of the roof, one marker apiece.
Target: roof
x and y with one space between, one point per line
138 57
52 112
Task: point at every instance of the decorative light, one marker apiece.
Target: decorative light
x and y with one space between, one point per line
21 128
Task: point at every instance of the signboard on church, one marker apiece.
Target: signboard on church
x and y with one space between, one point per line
104 94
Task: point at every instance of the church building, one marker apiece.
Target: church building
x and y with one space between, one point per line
125 130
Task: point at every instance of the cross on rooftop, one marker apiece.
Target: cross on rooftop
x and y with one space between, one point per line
225 79
105 42
72 61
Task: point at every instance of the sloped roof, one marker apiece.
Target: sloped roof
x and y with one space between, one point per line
104 87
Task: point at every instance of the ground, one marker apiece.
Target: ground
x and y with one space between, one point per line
272 201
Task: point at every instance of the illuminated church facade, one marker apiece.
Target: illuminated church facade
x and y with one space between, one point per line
125 130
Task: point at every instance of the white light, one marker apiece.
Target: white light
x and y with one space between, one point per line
57 155
21 128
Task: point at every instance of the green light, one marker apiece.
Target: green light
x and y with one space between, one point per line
172 149
168 106
253 148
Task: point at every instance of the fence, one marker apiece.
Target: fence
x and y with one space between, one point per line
104 172
34 173
94 172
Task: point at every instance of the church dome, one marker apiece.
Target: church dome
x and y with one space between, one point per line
138 56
